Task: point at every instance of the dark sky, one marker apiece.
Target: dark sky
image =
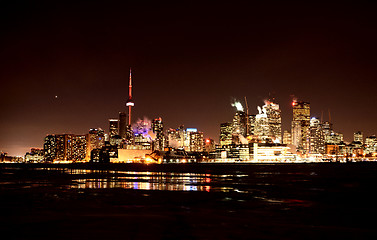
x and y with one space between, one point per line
189 60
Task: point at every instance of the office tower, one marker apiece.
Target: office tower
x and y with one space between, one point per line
95 140
287 137
250 125
129 102
49 148
358 137
274 120
327 129
239 123
158 130
196 141
123 125
370 145
301 121
226 130
316 137
113 127
261 125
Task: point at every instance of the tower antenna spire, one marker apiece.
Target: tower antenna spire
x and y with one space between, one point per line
129 102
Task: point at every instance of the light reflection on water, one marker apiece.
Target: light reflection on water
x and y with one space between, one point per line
97 179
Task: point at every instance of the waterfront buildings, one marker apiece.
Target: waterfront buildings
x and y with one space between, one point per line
65 147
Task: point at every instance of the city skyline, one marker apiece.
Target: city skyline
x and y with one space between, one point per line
69 73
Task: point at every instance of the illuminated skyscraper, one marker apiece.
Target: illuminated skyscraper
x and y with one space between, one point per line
196 141
300 125
158 130
226 130
261 125
239 123
316 137
96 139
49 148
250 125
274 120
113 127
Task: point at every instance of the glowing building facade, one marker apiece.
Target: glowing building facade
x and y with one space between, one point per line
370 145
196 141
261 129
113 127
300 125
240 123
226 130
66 147
158 130
273 113
316 137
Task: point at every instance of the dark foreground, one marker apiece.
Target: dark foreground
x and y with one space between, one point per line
291 201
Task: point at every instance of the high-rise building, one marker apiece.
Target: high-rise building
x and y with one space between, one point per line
123 124
301 120
226 130
79 148
358 137
66 147
158 130
49 148
113 127
250 125
274 120
261 129
196 141
316 137
240 123
96 139
287 137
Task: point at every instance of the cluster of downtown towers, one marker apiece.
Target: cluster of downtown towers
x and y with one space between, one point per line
308 136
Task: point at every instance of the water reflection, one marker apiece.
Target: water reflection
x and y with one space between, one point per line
141 180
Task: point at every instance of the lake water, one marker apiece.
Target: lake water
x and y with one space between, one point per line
258 201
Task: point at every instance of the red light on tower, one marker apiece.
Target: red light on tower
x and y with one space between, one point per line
208 141
294 103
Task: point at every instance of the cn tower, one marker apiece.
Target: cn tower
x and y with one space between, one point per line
129 102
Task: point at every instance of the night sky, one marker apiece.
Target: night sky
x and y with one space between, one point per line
189 60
